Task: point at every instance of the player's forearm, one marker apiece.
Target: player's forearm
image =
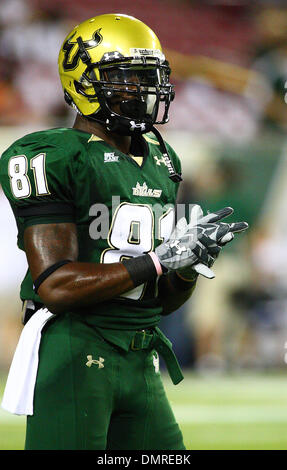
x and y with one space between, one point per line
77 285
174 292
80 285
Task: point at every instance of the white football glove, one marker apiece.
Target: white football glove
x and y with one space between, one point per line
192 248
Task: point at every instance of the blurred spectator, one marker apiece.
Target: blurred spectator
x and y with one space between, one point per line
203 109
29 44
269 59
13 111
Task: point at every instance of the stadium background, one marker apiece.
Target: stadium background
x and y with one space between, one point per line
228 125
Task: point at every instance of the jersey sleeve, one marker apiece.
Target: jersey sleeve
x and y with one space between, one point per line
37 178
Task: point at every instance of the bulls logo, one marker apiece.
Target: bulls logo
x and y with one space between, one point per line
72 51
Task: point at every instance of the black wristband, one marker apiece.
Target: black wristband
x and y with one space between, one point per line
180 283
141 269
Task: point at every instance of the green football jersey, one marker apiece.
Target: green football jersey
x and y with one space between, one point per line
121 209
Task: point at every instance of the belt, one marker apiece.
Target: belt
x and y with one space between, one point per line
142 340
148 339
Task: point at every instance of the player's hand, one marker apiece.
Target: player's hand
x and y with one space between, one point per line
192 248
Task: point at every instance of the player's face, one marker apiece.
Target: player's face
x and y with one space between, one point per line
132 84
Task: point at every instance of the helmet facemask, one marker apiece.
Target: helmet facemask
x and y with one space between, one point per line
129 91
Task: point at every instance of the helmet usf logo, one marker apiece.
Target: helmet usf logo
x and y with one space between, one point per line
73 49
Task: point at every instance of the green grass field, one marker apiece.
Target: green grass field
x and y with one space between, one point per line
215 412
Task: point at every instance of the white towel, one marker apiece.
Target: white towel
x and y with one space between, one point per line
19 391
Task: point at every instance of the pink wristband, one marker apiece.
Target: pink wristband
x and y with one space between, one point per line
156 263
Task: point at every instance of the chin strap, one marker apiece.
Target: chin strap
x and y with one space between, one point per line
174 176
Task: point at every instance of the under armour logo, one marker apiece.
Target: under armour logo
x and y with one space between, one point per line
95 361
159 160
174 244
179 248
134 126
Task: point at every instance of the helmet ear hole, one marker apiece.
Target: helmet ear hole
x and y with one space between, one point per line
81 90
78 87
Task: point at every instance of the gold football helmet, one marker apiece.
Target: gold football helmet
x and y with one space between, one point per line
113 71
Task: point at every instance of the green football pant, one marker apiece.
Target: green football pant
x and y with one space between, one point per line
90 394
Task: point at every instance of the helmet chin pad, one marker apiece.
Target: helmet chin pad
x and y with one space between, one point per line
134 109
133 117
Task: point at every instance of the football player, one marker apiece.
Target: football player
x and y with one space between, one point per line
85 371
